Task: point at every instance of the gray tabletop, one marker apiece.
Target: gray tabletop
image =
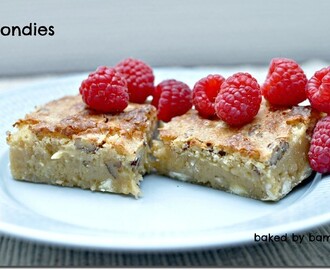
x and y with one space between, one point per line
15 252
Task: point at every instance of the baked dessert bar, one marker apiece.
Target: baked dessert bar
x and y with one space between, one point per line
64 143
263 160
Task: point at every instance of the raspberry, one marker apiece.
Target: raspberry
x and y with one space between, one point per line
171 98
285 83
318 90
139 77
319 152
204 93
239 99
105 90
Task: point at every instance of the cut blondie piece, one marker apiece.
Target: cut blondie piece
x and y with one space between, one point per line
263 160
64 143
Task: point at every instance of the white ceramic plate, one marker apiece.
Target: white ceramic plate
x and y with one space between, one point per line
171 215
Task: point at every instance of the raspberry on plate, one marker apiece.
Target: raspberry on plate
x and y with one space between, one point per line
105 90
171 98
139 77
285 83
318 90
319 152
204 93
239 99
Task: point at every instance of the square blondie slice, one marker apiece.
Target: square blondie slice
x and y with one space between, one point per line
263 160
64 143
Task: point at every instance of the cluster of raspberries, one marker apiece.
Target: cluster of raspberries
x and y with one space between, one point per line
235 100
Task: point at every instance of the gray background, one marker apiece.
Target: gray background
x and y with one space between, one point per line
200 32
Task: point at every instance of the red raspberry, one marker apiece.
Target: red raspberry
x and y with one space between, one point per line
318 90
319 152
239 99
105 90
204 93
139 77
171 98
285 83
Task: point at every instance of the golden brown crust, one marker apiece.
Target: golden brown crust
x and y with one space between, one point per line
69 116
267 133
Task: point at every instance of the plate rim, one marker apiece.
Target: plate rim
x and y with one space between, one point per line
76 243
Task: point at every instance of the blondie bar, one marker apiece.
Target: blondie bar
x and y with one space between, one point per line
64 143
264 159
